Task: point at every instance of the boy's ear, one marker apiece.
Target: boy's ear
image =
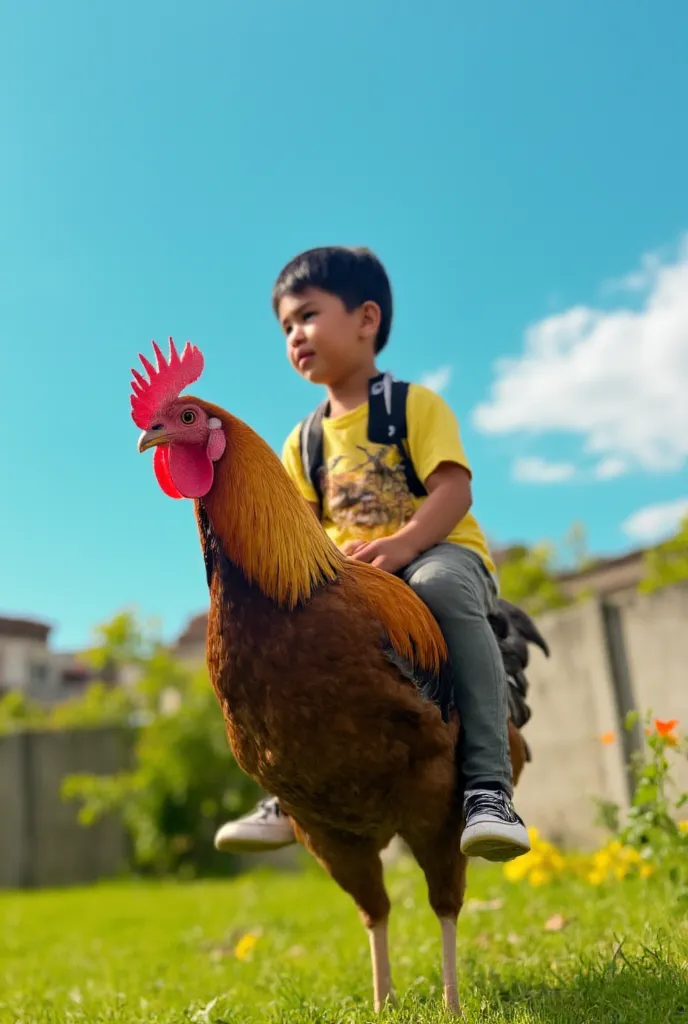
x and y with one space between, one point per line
370 319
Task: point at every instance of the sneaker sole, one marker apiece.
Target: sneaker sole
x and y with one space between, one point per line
232 845
494 849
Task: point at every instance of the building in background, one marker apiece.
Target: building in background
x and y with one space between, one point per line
25 658
606 577
29 665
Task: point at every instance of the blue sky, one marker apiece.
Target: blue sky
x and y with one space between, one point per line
513 165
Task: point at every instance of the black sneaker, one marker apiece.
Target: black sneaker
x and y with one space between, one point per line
492 828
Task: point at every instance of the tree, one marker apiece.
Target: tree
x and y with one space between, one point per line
527 578
576 544
667 563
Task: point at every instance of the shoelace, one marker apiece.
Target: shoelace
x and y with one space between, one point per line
269 806
488 802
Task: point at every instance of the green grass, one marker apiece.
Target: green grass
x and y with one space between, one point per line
147 952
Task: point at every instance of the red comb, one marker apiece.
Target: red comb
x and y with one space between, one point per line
165 381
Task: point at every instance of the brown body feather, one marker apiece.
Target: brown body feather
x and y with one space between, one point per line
315 711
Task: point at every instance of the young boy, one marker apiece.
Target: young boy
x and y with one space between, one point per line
335 308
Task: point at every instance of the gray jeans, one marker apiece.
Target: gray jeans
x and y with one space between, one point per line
457 588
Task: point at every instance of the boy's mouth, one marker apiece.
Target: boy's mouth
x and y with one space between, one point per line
304 358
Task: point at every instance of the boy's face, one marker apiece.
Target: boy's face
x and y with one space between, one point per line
325 342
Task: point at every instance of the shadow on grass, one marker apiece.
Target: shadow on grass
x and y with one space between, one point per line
649 988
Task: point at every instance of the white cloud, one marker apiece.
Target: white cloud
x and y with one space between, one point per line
438 380
539 471
638 280
610 468
617 379
655 522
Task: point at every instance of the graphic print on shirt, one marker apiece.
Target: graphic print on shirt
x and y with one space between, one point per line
367 491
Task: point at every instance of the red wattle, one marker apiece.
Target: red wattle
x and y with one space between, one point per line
191 470
161 466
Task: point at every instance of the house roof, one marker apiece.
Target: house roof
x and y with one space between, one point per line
24 629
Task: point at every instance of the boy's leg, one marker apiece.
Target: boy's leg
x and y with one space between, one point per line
459 591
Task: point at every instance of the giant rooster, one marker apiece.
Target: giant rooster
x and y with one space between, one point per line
331 674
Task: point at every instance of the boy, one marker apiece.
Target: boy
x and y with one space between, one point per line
335 308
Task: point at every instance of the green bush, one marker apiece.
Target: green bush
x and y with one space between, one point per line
183 784
667 563
184 780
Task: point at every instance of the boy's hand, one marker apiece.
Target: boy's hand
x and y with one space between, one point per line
388 553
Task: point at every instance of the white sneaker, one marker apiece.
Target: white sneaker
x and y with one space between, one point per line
263 828
492 828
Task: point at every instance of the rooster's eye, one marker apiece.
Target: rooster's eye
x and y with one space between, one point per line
188 416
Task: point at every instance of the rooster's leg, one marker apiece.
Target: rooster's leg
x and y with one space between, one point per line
449 978
444 867
355 865
383 991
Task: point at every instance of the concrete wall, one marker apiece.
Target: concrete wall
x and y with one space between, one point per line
655 633
41 841
573 705
577 696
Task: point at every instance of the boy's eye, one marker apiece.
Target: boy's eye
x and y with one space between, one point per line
309 314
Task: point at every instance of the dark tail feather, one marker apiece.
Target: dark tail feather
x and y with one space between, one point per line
523 623
514 630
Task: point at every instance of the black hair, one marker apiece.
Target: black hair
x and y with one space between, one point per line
354 275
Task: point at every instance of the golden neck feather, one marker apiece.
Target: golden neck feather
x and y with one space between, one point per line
263 524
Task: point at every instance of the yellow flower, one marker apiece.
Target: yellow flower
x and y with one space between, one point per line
516 870
683 825
613 862
244 947
539 877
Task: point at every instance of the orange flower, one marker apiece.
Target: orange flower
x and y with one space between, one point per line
666 730
607 738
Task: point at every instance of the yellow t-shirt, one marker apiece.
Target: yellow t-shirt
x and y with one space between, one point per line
365 495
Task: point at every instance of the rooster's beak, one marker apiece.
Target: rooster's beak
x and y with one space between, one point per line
150 439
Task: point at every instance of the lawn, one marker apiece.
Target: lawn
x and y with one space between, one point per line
288 947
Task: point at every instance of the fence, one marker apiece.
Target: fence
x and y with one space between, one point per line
41 841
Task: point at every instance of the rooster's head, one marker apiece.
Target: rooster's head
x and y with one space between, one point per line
188 438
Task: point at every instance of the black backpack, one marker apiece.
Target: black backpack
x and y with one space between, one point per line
386 425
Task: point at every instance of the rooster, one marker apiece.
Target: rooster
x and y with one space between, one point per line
332 675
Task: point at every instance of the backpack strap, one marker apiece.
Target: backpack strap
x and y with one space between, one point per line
386 425
312 450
